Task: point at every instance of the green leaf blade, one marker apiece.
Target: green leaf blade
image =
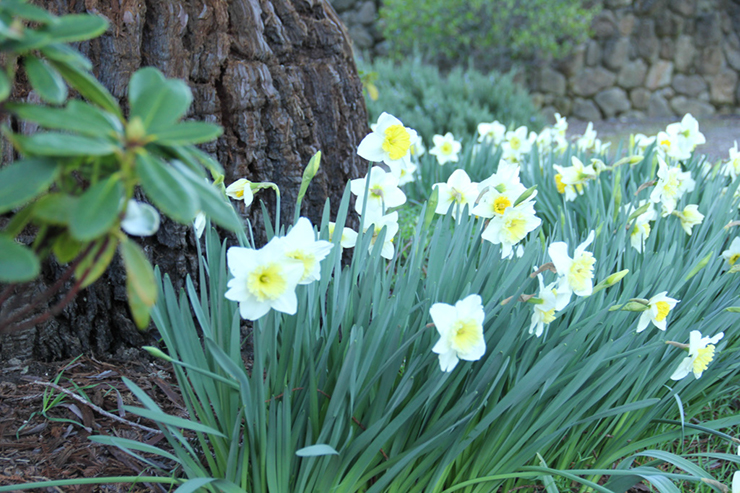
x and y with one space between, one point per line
188 133
97 209
167 188
47 82
18 263
23 180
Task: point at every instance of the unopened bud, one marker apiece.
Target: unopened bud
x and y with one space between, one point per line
157 353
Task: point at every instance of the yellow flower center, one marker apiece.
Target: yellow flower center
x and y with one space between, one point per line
466 334
734 258
500 204
663 309
376 191
308 260
456 196
446 148
397 141
516 229
239 193
266 282
665 143
559 183
704 356
515 143
548 316
581 271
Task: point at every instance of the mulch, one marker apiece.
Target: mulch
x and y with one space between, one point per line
40 445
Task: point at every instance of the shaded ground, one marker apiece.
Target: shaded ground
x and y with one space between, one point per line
720 131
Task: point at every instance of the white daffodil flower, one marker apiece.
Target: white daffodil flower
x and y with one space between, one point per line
574 274
732 254
199 224
301 244
141 219
690 217
263 279
672 185
460 329
639 235
390 142
552 301
658 308
577 174
642 141
732 167
701 353
458 190
568 190
378 222
446 148
491 133
417 145
587 140
736 482
687 132
406 173
670 145
517 144
512 227
561 125
505 180
383 191
349 236
241 189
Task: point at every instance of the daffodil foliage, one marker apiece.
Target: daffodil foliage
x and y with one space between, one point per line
76 177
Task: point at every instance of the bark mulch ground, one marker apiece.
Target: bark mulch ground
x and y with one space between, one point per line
38 444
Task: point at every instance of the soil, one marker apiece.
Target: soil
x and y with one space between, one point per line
720 131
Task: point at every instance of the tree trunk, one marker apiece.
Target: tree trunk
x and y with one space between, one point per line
278 75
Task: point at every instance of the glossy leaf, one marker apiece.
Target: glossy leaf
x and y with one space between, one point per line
45 80
66 248
316 450
63 145
140 283
76 27
167 188
78 117
31 12
31 40
188 133
60 52
4 86
212 201
97 210
94 265
23 180
159 102
17 262
55 208
89 87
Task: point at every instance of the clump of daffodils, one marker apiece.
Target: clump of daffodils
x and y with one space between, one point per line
671 186
576 274
460 329
549 301
680 139
701 353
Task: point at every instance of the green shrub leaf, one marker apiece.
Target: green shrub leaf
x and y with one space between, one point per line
78 117
139 272
66 54
17 262
95 263
63 145
97 210
4 86
45 80
159 102
212 201
167 188
88 86
23 180
188 133
55 208
76 27
66 248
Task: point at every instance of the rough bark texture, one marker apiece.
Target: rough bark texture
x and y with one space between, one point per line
278 75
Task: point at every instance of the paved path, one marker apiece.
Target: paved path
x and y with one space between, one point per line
720 132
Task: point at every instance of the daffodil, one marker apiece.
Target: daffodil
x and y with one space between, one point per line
732 167
241 189
687 132
701 353
642 141
141 219
551 301
199 224
505 180
406 173
378 222
301 244
587 140
736 482
690 217
417 146
263 279
446 148
671 186
458 192
732 254
383 191
517 144
561 125
639 235
349 236
460 329
491 133
577 174
390 142
658 308
511 227
574 274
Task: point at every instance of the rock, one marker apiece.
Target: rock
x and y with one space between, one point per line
689 85
573 64
564 105
626 24
367 13
640 98
548 112
616 52
342 5
658 107
667 49
615 4
591 81
538 100
710 60
683 7
632 115
685 52
586 110
632 74
732 51
708 30
648 44
722 87
682 105
361 37
593 53
649 6
667 24
552 81
612 101
659 75
604 25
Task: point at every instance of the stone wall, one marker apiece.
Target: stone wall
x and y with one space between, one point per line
649 58
646 58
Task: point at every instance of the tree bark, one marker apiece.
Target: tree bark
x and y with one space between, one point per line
278 75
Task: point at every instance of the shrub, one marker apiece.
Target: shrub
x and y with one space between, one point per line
433 103
448 31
